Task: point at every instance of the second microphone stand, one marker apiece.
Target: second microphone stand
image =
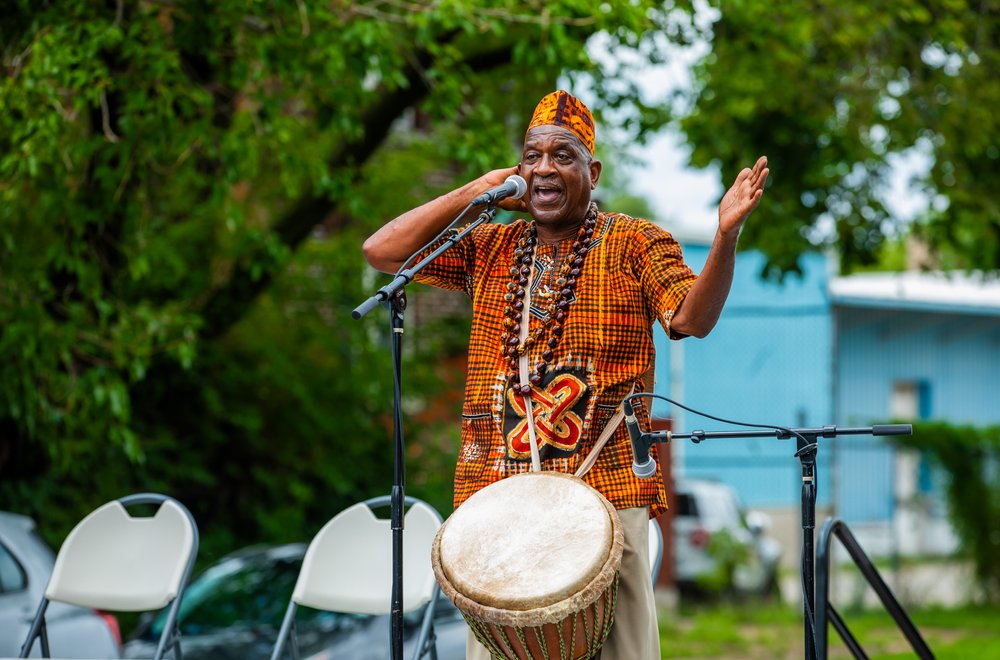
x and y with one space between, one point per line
807 445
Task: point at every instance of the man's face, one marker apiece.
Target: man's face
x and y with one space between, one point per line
560 175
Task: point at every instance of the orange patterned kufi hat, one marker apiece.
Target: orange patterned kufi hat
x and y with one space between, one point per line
565 110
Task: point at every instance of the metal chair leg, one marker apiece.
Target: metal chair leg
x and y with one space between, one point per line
287 630
37 630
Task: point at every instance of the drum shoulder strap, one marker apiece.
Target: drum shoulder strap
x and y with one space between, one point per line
606 433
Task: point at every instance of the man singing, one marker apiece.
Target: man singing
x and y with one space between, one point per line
563 308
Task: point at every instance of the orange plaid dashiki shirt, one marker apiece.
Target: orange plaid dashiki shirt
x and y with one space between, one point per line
633 274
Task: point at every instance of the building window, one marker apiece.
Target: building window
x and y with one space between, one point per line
911 400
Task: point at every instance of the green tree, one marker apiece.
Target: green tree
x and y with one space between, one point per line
184 187
831 92
970 457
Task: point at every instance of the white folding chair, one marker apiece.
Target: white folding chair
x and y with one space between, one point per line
348 568
655 548
114 561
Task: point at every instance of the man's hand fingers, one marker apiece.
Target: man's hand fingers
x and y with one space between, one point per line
743 176
761 179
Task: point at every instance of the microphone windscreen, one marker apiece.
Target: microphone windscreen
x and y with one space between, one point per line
520 184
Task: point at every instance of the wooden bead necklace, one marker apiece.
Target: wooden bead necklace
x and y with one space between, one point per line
558 309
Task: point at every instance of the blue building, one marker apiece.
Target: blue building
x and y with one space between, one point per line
850 351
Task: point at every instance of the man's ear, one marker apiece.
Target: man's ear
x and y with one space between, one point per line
595 173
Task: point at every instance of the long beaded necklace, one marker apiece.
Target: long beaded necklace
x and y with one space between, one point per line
558 309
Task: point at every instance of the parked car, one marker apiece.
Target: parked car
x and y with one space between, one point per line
717 545
234 609
25 566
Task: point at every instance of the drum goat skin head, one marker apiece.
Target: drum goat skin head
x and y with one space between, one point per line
527 541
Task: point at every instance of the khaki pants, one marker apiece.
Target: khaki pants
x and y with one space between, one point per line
634 635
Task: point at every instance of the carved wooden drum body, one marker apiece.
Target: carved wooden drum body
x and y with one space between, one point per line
532 563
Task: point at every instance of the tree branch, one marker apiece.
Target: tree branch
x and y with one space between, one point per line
229 303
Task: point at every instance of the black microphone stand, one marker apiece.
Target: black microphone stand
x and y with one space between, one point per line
393 297
807 444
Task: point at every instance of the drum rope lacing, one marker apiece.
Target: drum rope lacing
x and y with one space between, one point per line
589 626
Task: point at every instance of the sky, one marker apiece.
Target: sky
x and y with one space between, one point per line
685 199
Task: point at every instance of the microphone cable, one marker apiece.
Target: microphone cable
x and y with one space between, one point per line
773 427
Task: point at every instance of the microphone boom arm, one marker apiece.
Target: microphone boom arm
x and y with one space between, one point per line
405 276
646 439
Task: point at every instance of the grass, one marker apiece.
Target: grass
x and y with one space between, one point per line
773 630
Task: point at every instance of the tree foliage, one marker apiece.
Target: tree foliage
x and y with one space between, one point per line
184 187
832 92
970 456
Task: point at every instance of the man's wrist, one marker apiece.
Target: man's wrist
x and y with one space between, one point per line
728 236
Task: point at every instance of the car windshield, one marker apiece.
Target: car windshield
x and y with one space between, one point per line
721 511
716 506
686 505
248 591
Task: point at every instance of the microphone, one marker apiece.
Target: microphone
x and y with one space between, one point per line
642 465
514 187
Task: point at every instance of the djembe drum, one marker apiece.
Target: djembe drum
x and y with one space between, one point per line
532 562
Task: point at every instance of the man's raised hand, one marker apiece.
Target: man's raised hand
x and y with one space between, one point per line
742 198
